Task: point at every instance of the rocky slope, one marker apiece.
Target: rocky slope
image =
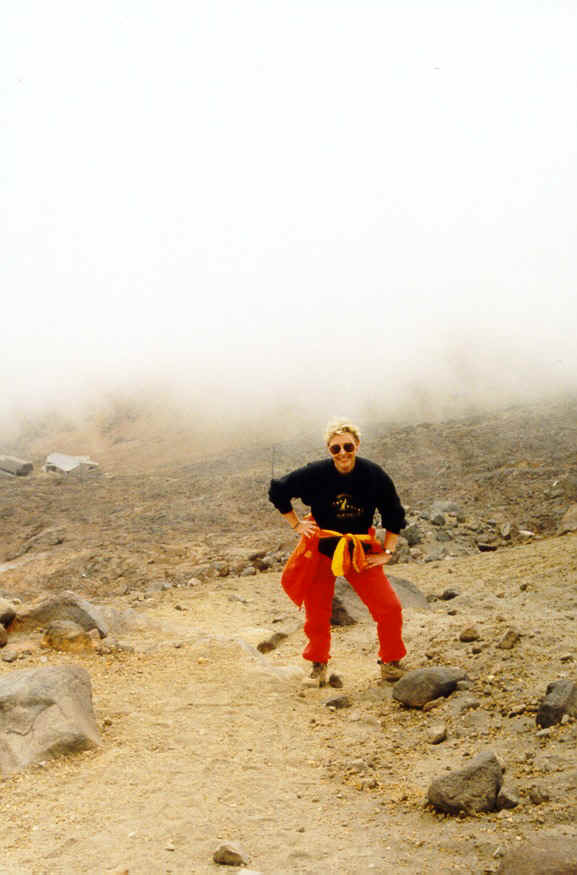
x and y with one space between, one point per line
207 739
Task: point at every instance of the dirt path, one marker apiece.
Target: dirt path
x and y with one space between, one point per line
206 740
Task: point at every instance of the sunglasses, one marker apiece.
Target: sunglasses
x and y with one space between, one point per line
336 448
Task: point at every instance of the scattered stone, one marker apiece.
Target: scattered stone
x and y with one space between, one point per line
435 555
468 703
64 606
413 535
569 521
68 637
229 854
335 681
422 685
50 537
437 734
410 596
472 789
340 615
485 547
249 571
15 466
508 797
3 636
43 713
272 642
560 698
438 519
544 733
471 633
542 855
509 639
449 594
538 794
339 702
10 654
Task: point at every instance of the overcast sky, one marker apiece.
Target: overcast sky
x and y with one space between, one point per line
326 200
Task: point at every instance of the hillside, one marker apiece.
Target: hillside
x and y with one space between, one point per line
205 739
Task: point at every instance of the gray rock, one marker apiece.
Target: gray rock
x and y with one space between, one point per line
348 602
472 789
538 795
249 571
272 642
7 612
542 855
15 466
560 698
422 685
340 615
445 507
436 554
339 702
46 538
569 521
44 712
413 535
509 639
508 797
449 594
438 519
64 606
410 596
68 637
437 734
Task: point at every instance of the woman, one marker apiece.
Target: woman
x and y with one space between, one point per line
342 492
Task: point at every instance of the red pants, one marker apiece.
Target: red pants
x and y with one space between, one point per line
374 590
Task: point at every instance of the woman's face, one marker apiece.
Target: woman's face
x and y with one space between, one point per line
343 450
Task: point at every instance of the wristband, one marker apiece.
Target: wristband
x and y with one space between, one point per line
388 552
297 525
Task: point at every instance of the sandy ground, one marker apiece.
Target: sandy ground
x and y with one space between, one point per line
206 740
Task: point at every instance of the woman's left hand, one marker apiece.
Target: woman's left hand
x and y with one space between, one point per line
376 559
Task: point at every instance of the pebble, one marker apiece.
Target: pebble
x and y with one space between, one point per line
471 633
229 854
436 734
339 702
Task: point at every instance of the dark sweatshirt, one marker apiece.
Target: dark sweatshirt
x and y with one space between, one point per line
342 502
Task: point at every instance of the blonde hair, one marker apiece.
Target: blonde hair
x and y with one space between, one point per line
340 425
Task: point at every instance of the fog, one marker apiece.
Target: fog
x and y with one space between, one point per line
288 209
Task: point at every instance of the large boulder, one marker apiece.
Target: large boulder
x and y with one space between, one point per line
542 855
569 521
45 712
63 606
560 698
348 602
7 612
422 685
472 789
15 466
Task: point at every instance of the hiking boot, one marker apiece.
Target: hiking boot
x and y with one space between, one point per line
391 671
319 673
